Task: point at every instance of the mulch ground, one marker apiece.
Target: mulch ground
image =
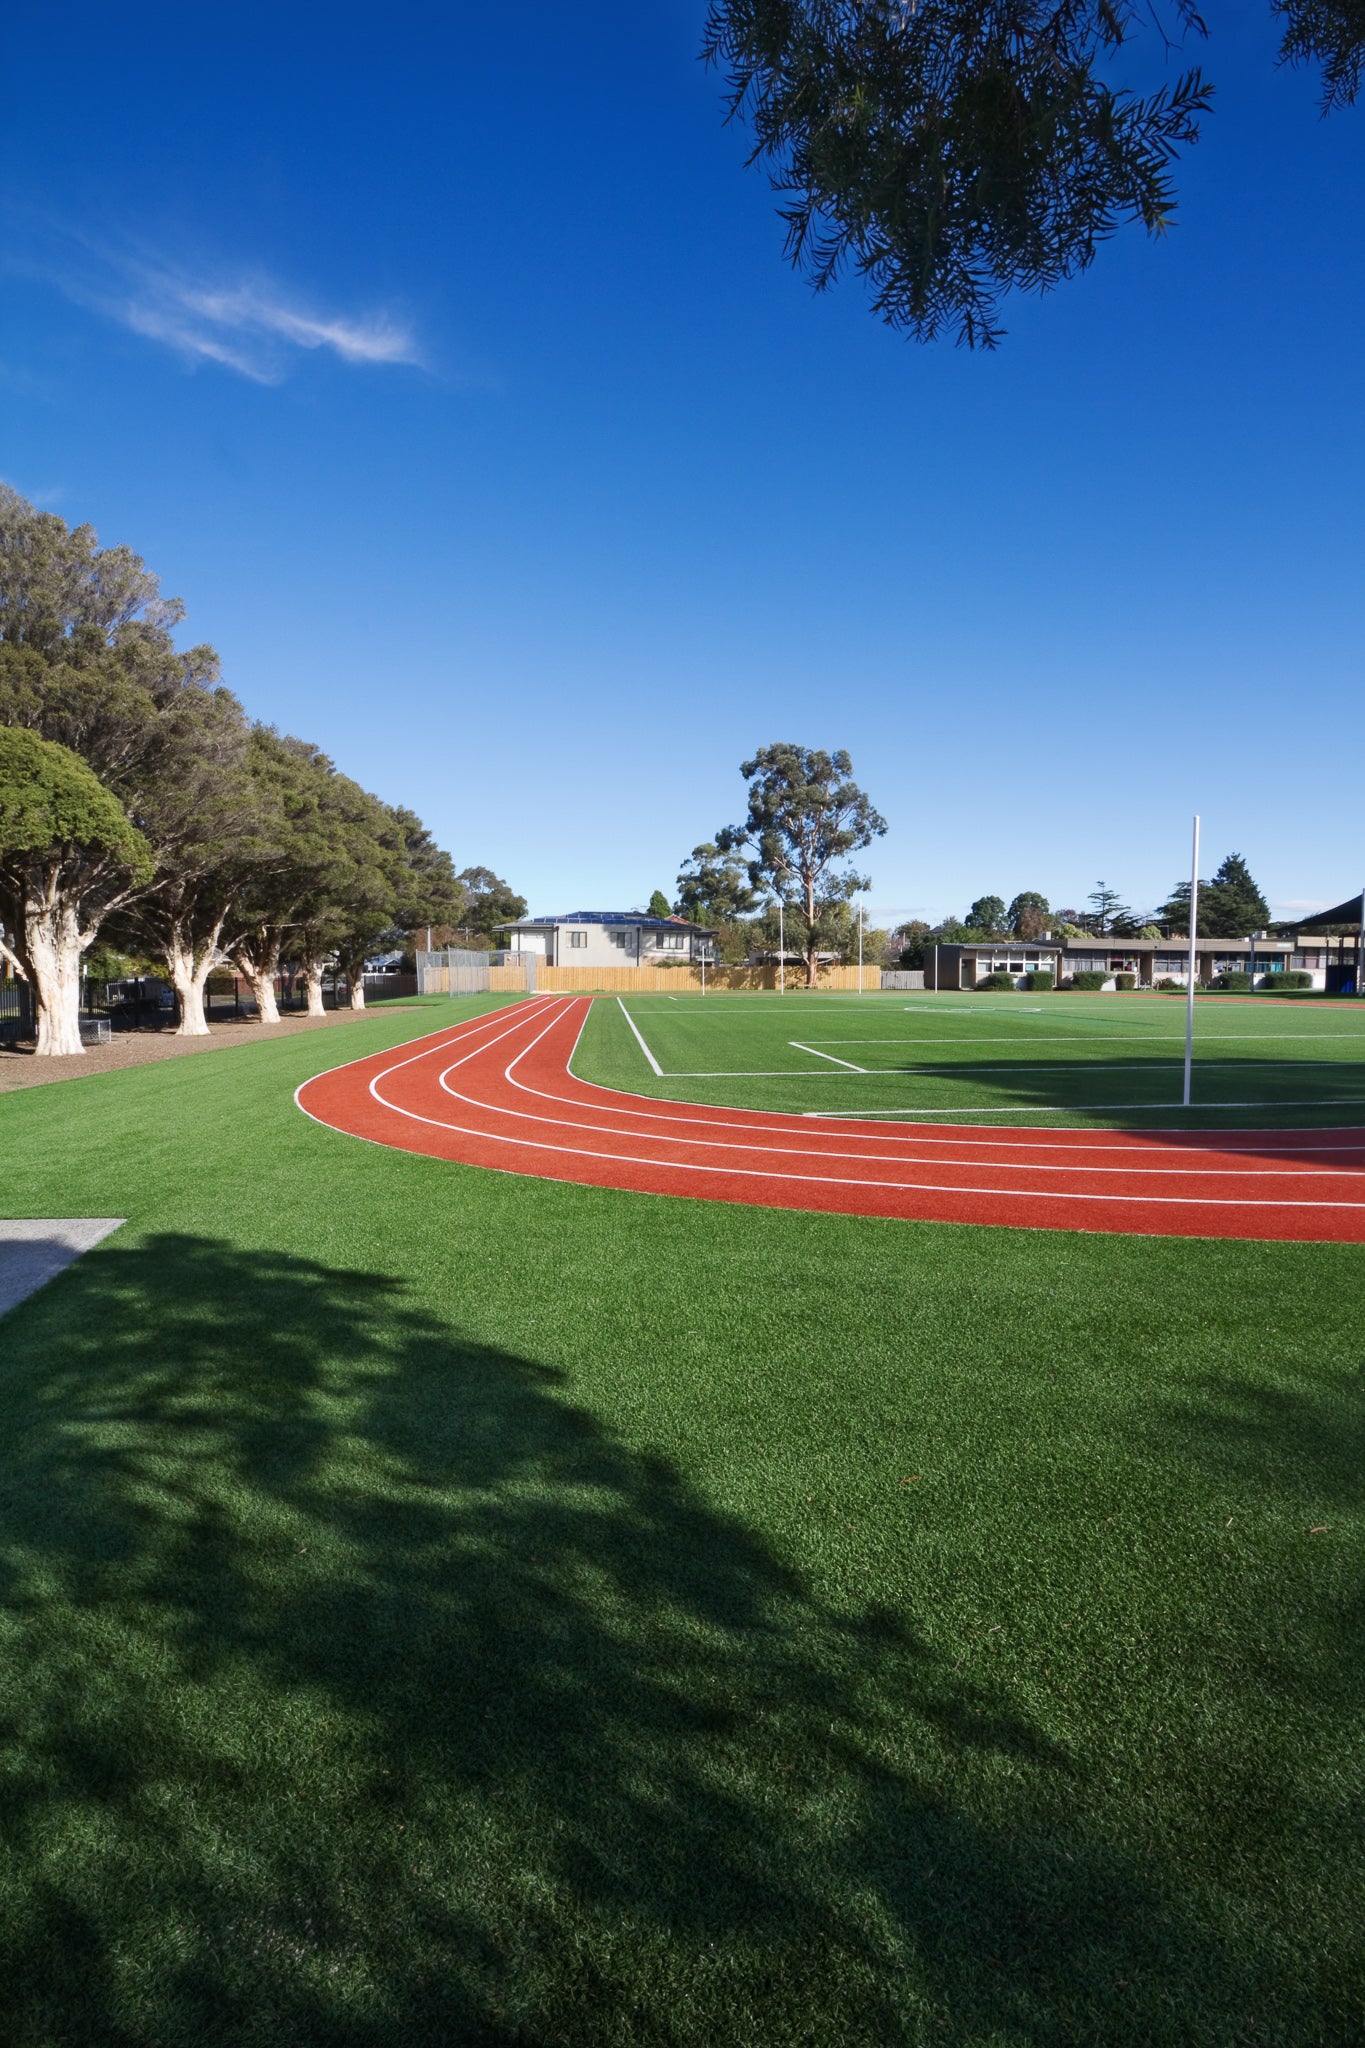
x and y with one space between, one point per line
21 1068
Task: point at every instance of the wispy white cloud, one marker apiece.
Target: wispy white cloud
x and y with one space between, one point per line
1289 906
245 322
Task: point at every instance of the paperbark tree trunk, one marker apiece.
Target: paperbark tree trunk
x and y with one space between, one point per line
312 981
355 981
54 943
262 984
188 974
257 959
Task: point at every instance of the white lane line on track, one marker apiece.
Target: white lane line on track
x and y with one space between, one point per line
757 1172
457 1032
796 1043
1189 1172
640 1040
831 1180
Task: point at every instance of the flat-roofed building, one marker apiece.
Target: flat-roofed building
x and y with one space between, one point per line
1149 961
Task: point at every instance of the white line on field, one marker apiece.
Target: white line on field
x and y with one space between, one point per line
796 1044
948 1112
643 1047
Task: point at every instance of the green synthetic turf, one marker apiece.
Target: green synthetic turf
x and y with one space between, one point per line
442 1607
1045 1060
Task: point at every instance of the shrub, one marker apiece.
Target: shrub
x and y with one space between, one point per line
1292 977
1169 981
1125 981
1089 978
1236 978
998 980
1039 980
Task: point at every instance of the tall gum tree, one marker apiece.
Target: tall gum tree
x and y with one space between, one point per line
806 816
68 859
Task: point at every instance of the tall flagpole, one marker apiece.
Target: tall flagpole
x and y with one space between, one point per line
860 939
781 952
1194 927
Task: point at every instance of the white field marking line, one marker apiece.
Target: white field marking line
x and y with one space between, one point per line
774 1119
799 1047
456 1033
833 1180
1139 1038
1084 1109
640 1040
781 1151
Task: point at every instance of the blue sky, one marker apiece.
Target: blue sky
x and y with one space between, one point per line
445 362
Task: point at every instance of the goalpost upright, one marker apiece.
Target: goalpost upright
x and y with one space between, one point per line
1189 990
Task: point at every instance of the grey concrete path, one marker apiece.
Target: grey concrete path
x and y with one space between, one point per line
35 1250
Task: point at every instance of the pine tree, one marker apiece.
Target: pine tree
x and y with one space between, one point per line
1233 907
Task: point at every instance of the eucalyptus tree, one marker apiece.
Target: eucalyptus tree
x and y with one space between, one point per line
714 887
69 858
951 151
285 864
488 903
806 816
87 662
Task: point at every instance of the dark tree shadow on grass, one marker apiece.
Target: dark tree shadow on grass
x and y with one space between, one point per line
357 1689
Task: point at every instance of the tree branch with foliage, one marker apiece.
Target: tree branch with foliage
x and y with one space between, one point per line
806 816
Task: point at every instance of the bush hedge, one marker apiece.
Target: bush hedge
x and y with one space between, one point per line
1236 978
1293 977
1041 979
1125 981
998 980
1089 978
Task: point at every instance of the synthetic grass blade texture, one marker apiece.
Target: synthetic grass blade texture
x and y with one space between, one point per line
442 1607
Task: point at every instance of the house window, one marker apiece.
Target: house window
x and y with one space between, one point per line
619 938
577 939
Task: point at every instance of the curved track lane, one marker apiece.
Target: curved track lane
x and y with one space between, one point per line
498 1092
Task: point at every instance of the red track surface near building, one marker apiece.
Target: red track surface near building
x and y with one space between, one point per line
497 1092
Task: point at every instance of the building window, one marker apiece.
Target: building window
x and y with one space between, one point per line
577 939
670 942
619 938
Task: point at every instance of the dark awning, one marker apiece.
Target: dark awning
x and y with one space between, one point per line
1341 913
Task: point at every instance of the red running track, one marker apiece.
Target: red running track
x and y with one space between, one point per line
497 1092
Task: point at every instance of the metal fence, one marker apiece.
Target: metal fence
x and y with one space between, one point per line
903 977
452 972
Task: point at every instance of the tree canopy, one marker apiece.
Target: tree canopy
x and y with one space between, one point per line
1231 906
952 151
714 887
247 844
988 916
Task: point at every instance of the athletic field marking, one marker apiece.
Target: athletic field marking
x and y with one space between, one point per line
797 1045
592 1130
643 1047
817 1179
951 1110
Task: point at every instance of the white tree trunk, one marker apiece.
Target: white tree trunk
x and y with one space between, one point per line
355 984
54 942
188 977
312 981
263 988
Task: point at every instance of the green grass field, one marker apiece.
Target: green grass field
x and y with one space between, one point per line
1043 1060
442 1607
